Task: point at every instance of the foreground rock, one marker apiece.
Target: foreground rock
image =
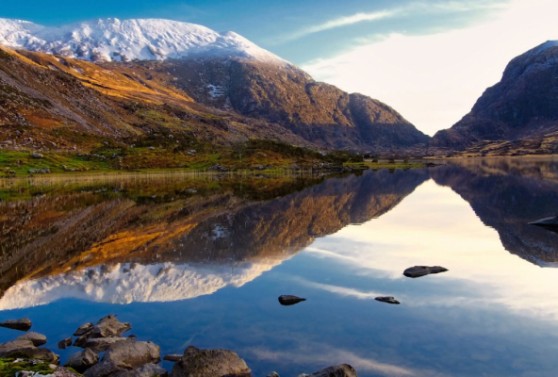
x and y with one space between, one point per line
548 223
25 349
127 356
83 360
107 327
418 271
290 299
387 299
36 338
342 370
22 324
210 363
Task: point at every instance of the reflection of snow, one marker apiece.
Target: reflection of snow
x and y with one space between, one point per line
131 282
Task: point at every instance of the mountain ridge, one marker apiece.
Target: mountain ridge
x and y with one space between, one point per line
112 39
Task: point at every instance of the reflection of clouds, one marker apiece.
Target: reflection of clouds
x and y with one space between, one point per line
124 283
436 227
339 290
326 355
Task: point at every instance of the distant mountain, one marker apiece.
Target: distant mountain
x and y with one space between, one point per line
216 86
516 116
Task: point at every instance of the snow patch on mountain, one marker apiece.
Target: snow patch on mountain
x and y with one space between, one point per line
112 39
124 283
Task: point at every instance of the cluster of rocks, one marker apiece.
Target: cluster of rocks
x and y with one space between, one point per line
107 353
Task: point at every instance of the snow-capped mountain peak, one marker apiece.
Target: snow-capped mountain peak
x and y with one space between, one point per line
111 39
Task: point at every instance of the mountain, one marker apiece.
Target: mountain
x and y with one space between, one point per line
112 39
518 115
190 80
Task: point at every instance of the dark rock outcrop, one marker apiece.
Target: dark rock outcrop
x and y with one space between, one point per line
290 300
387 299
520 112
22 324
550 223
27 350
210 363
418 271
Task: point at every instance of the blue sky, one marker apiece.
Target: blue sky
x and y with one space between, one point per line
429 59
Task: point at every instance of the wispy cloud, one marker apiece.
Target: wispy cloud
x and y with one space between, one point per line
413 9
340 22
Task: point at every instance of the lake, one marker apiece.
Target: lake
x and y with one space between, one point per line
200 260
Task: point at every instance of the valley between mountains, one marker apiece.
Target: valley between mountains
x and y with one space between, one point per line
132 94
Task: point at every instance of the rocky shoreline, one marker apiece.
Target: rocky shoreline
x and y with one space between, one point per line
106 352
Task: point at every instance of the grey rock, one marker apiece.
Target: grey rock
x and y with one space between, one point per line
37 155
273 374
108 327
290 299
387 299
22 324
103 369
83 329
36 338
24 348
132 354
101 344
147 370
418 271
342 370
210 363
83 360
64 372
65 343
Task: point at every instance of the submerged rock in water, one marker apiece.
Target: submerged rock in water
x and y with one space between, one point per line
418 271
549 223
290 299
387 299
36 338
210 363
342 370
22 324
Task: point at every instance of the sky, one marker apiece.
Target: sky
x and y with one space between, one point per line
428 59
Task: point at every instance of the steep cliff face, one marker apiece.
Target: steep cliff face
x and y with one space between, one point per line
288 97
521 111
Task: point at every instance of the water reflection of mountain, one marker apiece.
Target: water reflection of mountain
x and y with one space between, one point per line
120 249
507 195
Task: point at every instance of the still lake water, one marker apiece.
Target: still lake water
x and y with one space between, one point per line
201 262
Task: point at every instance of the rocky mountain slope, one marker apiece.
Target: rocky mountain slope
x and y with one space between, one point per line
164 77
518 115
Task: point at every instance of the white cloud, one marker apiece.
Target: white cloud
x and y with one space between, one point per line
433 80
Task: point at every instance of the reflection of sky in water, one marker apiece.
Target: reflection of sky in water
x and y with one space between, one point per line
491 314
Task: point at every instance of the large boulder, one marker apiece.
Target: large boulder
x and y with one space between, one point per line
126 356
108 326
36 338
210 363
